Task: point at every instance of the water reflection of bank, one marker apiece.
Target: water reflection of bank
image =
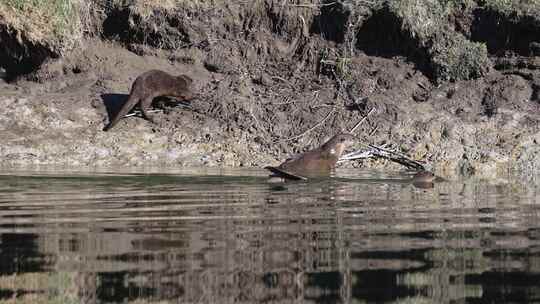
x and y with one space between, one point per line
332 242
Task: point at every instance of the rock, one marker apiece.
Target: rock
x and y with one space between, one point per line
534 48
526 157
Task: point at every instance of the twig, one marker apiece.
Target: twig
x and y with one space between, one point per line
312 128
362 120
373 130
389 151
359 154
177 105
305 32
138 112
398 158
356 155
382 152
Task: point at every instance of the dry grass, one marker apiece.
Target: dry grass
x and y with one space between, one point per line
520 7
55 22
421 16
147 8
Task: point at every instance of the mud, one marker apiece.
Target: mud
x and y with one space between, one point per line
273 81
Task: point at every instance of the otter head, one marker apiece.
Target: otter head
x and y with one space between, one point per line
337 144
183 89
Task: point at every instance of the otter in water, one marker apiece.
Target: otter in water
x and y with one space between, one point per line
150 85
425 179
316 162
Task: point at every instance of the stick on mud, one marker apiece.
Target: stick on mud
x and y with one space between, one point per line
362 120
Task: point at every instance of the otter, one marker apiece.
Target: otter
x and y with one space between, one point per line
425 179
316 162
149 85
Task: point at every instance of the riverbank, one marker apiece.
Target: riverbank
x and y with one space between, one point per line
453 83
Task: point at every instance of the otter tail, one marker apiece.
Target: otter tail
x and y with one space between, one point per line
279 172
130 103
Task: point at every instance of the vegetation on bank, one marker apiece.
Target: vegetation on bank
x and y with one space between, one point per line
518 8
451 56
52 22
425 24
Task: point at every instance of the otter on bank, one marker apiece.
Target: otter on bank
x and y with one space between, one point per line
149 85
316 162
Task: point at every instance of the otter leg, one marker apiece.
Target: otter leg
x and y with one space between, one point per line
145 105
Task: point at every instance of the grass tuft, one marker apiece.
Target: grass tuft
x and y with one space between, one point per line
54 22
146 8
518 7
456 58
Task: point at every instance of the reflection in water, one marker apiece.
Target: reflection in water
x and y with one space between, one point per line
231 239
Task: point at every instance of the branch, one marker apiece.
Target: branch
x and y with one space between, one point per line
380 152
362 120
398 158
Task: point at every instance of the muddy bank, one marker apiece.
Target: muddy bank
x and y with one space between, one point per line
277 77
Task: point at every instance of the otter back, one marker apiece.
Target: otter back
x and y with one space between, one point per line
149 85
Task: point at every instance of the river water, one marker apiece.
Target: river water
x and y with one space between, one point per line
229 236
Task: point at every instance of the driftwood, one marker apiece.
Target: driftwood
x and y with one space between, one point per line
382 152
181 104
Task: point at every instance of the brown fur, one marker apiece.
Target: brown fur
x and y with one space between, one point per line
424 177
150 85
317 162
425 180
